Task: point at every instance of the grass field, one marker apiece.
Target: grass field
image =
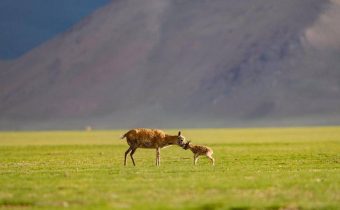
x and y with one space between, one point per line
269 168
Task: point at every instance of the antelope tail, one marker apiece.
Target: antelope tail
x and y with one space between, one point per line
123 136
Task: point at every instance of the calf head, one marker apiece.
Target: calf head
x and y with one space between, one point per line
186 145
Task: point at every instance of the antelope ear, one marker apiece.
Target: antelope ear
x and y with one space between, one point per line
179 133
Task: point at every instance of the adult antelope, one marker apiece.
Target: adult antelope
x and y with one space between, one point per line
150 138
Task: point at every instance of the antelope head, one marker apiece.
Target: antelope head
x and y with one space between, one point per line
180 139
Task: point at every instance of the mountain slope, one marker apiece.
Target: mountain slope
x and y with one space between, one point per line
180 63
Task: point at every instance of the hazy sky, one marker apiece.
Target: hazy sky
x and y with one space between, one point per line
26 24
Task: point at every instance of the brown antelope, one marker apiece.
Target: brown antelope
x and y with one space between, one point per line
199 150
150 138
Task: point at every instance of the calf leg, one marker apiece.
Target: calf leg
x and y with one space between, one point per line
131 155
126 153
212 159
195 159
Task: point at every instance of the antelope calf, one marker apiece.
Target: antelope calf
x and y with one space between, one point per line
150 138
199 150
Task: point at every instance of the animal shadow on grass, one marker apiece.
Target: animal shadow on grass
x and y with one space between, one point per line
211 206
13 204
265 208
215 206
240 208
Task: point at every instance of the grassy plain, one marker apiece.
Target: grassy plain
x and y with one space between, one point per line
267 168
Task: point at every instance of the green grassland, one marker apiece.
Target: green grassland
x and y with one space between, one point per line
267 168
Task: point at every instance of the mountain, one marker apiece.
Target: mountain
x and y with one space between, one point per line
192 63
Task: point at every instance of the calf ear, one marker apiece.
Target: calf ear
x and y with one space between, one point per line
179 133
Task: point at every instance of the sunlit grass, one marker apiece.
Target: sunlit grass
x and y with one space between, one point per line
276 168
